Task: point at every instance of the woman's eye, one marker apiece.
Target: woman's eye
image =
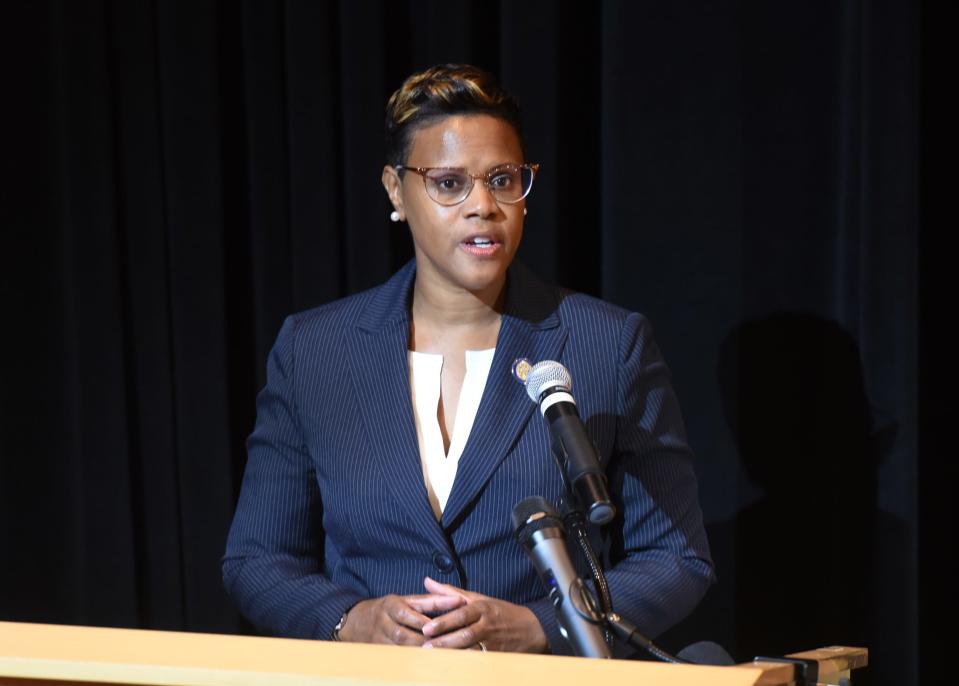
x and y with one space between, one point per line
503 180
449 183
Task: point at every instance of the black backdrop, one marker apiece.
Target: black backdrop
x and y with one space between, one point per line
181 175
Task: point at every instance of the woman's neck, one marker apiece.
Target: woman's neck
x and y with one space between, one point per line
441 316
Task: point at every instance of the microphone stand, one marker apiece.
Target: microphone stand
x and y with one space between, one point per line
575 520
613 624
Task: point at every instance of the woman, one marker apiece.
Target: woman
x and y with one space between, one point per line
392 440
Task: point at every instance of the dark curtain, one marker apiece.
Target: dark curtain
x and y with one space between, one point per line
182 175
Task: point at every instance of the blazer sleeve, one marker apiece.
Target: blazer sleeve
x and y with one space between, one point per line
273 566
660 561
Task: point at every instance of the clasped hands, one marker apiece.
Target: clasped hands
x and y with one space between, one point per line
460 619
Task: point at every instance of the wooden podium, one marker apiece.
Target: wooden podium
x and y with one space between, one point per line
53 655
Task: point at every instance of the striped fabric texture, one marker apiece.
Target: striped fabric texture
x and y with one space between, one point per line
333 508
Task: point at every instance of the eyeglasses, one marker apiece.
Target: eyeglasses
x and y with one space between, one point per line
507 183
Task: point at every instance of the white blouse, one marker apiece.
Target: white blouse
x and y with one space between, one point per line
439 468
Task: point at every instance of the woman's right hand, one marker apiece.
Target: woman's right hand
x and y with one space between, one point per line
394 619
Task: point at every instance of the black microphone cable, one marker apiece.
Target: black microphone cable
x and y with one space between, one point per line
622 628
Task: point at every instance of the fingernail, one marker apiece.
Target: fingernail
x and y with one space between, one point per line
427 645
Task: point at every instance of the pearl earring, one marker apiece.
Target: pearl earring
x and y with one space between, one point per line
525 211
394 216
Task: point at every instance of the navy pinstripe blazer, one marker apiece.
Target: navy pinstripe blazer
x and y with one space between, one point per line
333 508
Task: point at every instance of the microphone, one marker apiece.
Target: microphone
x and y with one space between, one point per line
549 384
540 531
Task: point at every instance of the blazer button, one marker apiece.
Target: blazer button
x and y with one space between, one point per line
443 562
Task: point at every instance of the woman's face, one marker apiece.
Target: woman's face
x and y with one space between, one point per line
470 245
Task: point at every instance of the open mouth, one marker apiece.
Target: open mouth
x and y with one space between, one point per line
481 241
481 246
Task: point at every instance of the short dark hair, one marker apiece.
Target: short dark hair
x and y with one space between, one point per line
442 91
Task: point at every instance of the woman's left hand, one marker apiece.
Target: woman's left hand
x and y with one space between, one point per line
497 624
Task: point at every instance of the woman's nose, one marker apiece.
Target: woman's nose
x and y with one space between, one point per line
480 200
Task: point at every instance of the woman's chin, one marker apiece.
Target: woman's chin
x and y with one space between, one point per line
480 282
484 278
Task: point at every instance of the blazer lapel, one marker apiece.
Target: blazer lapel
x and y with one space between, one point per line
379 367
530 328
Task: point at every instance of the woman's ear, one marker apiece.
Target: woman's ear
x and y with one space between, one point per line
391 182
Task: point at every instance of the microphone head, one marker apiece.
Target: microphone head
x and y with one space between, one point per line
547 374
527 507
534 514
